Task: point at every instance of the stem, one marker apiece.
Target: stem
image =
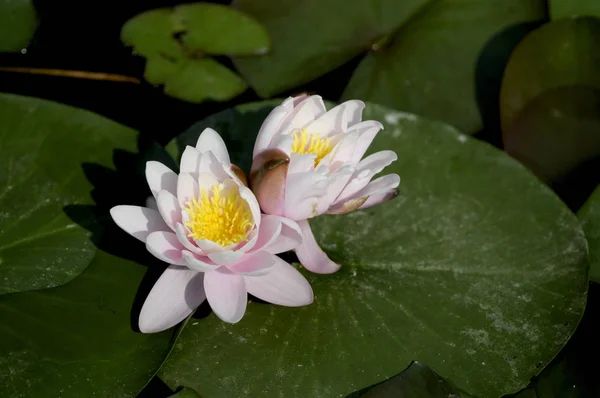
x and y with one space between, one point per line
73 73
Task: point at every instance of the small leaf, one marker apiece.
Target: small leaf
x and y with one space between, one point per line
152 33
571 8
562 53
42 148
589 214
18 22
221 30
476 269
199 80
415 381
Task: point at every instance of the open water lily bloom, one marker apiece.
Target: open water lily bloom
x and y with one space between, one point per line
308 161
207 224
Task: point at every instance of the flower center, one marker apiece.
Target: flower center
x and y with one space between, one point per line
223 217
305 143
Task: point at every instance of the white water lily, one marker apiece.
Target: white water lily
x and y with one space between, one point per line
209 228
308 162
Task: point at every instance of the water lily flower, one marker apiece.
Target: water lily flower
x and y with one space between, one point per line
307 162
210 230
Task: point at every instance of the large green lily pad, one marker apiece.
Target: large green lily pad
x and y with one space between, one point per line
476 269
589 215
43 146
77 340
17 24
571 8
422 56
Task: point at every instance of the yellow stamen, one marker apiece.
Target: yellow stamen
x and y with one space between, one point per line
313 144
223 217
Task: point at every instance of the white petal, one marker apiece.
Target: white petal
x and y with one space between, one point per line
138 221
307 111
187 188
379 185
151 203
165 246
182 236
302 194
282 285
196 263
226 257
211 141
284 143
176 294
208 246
226 294
366 133
160 177
337 119
271 126
258 263
288 237
190 160
365 170
249 197
169 208
336 183
209 163
300 163
310 254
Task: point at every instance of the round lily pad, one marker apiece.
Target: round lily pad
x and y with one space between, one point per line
476 269
18 22
45 149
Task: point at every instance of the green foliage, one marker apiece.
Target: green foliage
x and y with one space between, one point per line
550 99
176 40
589 215
17 24
572 8
476 269
422 56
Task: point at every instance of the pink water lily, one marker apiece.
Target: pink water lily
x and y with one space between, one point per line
209 228
309 161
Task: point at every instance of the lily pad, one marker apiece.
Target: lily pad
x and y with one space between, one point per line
415 381
476 269
18 22
76 340
566 9
559 54
42 148
421 55
589 215
176 40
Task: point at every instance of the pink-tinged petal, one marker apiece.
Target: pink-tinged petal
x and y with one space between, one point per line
271 126
211 141
306 111
208 246
292 102
226 257
310 254
226 294
289 238
365 170
165 246
347 206
258 263
206 182
160 177
239 175
337 182
301 163
210 164
268 180
138 221
151 203
269 231
302 194
342 152
282 285
184 239
190 160
169 208
379 185
338 119
366 134
284 143
379 198
187 188
251 238
197 263
176 294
